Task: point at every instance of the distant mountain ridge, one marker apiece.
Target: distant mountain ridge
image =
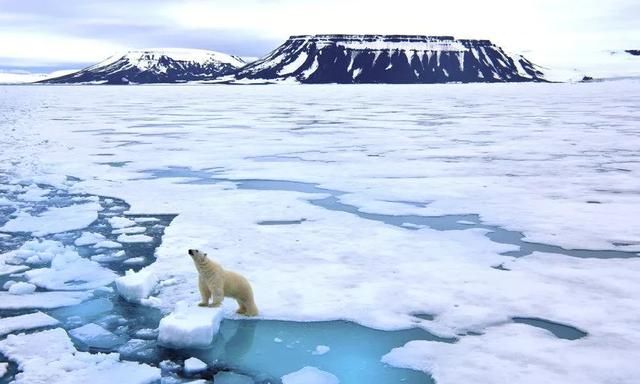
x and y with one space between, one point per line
161 65
389 59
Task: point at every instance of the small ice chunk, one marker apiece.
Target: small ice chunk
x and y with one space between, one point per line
25 322
134 261
129 230
135 238
146 219
8 284
226 377
147 333
36 252
94 336
108 257
121 222
277 340
4 368
190 327
321 350
135 286
137 349
107 244
310 375
193 365
22 288
88 238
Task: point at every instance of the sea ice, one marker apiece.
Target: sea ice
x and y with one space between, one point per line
54 220
193 365
94 336
43 300
129 230
121 222
310 375
61 363
135 238
135 286
21 288
107 244
190 327
134 261
88 238
321 350
70 271
25 322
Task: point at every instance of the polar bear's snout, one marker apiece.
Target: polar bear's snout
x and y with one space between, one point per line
192 251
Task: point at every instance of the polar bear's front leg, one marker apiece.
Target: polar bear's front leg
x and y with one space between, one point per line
217 294
204 292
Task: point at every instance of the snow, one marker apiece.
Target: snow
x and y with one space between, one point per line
135 286
60 363
193 365
25 322
42 300
54 220
531 158
21 288
88 238
310 375
190 327
22 77
294 65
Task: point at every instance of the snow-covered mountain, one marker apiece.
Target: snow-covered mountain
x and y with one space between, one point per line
163 65
389 59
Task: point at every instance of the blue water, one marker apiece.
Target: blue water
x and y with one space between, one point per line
332 202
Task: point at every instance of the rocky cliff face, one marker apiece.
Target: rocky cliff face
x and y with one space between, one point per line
155 66
390 59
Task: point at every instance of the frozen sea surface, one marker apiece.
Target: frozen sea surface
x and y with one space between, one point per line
499 220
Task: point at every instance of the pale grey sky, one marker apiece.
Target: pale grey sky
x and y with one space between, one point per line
69 34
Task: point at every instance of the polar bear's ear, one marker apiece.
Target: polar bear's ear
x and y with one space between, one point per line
205 255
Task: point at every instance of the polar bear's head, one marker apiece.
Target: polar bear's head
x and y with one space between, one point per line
197 255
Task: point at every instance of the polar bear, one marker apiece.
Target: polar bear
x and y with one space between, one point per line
216 283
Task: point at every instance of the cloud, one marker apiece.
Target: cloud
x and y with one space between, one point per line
78 31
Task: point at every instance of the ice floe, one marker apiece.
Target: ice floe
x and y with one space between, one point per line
135 286
42 300
61 363
54 220
190 327
26 322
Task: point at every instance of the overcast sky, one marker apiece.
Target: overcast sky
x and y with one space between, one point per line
57 34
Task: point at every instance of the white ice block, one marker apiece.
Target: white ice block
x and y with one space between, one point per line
190 327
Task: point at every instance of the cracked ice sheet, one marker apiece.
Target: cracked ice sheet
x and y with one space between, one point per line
60 363
528 157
